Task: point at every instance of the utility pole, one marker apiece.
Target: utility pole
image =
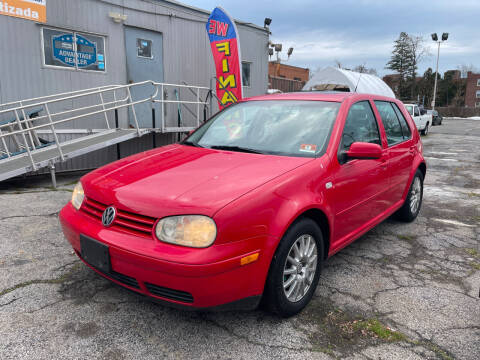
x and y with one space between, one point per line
435 38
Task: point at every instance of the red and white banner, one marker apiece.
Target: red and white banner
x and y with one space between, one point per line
225 45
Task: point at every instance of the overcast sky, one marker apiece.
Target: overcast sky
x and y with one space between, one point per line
362 31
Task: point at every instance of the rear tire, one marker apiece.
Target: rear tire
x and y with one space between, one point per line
425 131
295 269
411 207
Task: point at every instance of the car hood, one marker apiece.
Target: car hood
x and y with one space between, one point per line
180 179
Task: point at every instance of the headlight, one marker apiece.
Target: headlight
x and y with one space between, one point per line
187 230
78 196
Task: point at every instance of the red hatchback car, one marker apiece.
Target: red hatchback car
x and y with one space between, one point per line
251 204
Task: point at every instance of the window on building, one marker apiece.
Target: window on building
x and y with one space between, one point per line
360 126
478 82
144 48
297 78
477 104
73 50
246 73
478 94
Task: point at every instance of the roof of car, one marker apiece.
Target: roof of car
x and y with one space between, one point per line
336 96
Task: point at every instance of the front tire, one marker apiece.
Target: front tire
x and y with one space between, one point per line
295 269
411 207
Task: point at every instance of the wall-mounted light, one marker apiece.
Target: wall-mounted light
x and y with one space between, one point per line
116 17
267 22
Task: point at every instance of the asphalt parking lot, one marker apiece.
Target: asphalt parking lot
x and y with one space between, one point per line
402 291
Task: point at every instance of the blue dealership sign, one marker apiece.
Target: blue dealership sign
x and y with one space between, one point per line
63 51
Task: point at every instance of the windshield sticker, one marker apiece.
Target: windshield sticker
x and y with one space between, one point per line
310 148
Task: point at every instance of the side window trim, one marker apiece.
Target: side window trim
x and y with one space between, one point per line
340 149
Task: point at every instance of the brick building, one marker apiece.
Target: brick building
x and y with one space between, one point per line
472 93
392 80
286 78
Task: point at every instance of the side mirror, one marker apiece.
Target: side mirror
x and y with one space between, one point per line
363 150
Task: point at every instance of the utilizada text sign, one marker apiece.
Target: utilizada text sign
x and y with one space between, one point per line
35 10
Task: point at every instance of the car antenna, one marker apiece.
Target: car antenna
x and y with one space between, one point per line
358 81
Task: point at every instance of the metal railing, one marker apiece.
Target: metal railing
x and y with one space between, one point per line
21 134
194 90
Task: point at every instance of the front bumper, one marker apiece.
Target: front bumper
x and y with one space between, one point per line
210 277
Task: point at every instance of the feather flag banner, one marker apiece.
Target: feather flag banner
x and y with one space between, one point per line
225 45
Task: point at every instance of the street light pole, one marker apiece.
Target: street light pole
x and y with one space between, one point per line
436 77
435 38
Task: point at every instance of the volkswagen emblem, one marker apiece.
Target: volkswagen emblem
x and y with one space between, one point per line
108 216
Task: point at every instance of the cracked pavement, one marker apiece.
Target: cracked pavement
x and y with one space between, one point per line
402 291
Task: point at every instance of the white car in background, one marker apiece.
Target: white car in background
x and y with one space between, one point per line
420 117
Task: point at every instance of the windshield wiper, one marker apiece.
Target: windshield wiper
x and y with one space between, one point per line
235 148
191 143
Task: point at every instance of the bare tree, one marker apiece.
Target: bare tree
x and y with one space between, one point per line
465 69
418 52
364 70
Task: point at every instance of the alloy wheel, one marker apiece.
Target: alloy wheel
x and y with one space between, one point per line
300 267
415 195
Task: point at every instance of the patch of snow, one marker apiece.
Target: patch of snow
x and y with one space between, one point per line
436 158
453 222
461 118
440 192
442 153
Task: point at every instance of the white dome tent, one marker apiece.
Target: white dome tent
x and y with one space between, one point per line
332 78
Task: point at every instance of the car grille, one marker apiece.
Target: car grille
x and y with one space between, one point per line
124 279
124 220
169 293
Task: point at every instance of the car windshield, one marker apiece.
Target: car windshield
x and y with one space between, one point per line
288 127
409 109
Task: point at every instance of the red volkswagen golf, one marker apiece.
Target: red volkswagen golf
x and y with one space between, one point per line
252 203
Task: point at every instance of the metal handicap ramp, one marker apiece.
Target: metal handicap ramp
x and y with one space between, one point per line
47 156
24 124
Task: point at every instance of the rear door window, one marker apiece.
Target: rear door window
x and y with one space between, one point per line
390 121
403 122
360 126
